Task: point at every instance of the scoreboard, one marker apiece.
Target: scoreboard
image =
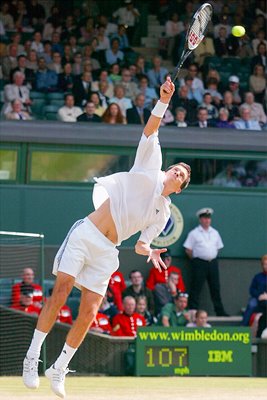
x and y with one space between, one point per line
193 351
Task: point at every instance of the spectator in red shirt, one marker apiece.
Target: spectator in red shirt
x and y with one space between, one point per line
155 276
117 286
27 279
101 324
26 304
126 324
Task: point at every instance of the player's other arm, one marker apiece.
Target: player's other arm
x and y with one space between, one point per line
166 92
153 255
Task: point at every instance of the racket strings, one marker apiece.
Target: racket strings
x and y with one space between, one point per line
199 27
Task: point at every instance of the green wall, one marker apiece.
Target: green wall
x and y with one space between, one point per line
240 216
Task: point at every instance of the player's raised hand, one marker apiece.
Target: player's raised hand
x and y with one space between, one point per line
155 258
166 90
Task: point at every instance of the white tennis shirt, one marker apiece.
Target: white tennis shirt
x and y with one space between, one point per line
136 201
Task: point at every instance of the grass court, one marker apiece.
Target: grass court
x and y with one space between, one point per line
137 388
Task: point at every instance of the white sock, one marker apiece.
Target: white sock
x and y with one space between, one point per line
65 357
36 344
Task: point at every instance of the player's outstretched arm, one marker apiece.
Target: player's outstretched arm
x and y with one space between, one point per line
153 255
166 91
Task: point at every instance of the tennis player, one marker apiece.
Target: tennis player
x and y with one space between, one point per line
125 203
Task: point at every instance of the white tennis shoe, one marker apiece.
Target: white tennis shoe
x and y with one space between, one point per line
30 373
57 380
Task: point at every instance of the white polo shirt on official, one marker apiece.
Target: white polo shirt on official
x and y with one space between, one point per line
136 201
204 244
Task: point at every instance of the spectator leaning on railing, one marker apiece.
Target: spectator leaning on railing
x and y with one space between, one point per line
175 314
89 114
126 324
17 113
246 122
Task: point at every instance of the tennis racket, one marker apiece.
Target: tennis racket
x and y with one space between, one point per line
195 34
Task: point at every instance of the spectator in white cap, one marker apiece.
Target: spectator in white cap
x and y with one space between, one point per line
234 88
202 245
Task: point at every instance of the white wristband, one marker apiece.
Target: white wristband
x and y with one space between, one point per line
159 109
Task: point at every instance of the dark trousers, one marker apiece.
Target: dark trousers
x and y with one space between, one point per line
206 271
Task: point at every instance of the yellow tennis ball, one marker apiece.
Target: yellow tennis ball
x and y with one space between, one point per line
238 31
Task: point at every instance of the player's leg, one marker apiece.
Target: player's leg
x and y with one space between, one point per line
46 320
90 303
63 286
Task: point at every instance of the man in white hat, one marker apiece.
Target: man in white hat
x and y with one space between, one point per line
236 90
202 245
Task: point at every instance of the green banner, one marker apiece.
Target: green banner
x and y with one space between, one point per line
193 351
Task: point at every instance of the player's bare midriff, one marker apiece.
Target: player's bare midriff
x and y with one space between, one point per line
104 222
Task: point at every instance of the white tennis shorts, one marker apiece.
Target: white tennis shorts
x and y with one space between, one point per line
87 255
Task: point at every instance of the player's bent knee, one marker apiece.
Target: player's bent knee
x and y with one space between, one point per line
87 314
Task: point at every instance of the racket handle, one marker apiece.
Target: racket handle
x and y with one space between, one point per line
176 73
178 68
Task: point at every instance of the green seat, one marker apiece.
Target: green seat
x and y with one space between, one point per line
244 69
225 77
50 112
244 80
5 297
131 57
37 95
246 61
2 97
57 103
56 96
48 284
6 283
37 108
232 63
213 62
75 293
5 301
49 116
2 84
74 304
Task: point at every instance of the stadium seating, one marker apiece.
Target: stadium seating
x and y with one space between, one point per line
50 112
1 98
55 98
74 303
38 103
213 62
232 64
5 291
48 284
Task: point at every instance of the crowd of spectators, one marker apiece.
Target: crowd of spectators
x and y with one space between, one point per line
130 304
125 307
89 57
